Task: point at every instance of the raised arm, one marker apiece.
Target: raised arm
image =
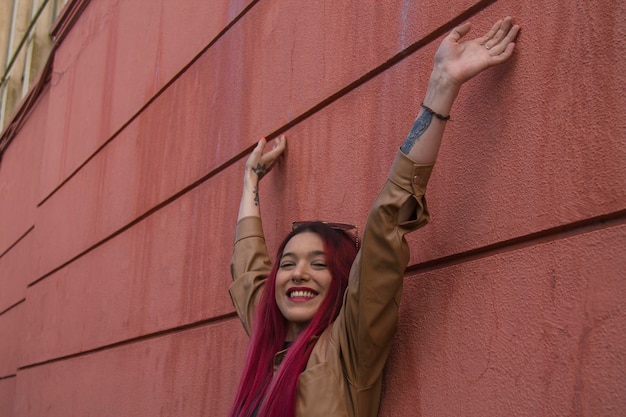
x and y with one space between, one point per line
369 318
250 263
257 165
456 61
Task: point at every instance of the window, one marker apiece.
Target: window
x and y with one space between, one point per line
25 45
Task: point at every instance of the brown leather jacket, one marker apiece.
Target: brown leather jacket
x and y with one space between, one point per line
344 373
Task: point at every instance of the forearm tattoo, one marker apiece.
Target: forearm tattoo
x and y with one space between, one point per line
419 127
260 170
256 196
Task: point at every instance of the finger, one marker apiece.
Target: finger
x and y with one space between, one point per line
256 153
512 35
502 45
280 143
502 32
270 158
506 54
272 155
492 32
459 31
279 146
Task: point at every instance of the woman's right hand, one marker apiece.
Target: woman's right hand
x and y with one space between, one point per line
259 164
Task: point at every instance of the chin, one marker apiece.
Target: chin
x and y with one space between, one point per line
299 317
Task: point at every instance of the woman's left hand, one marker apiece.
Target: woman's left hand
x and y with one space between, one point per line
461 60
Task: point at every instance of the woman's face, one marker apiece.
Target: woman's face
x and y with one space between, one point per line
302 281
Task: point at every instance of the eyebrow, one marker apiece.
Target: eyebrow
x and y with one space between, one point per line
311 254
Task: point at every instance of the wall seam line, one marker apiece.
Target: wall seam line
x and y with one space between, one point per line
571 229
19 239
12 306
156 95
592 224
137 339
436 33
443 29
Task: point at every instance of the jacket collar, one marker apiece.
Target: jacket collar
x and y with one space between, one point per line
280 355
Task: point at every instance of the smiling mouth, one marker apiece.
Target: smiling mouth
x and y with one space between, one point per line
301 294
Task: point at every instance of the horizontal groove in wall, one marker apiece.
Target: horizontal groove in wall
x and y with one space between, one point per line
447 27
152 99
560 232
394 60
564 231
7 376
30 229
12 306
138 339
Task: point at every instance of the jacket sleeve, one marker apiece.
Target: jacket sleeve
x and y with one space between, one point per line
249 267
369 316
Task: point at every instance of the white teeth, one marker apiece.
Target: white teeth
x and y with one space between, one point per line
302 294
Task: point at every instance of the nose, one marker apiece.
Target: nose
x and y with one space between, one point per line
299 274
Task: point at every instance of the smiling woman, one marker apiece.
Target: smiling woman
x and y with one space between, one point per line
302 281
321 319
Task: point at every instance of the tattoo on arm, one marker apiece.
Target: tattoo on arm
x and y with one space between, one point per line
256 196
260 170
419 127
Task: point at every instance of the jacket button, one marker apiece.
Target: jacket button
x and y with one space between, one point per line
416 179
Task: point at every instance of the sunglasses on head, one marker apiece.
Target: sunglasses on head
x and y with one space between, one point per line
350 229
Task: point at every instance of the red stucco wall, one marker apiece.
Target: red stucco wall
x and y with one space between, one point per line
120 194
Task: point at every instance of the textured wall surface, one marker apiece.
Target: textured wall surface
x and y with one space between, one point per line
119 198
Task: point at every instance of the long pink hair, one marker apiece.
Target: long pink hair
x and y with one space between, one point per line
259 387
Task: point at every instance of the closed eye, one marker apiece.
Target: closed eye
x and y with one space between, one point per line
286 265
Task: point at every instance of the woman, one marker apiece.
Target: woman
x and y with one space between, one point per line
321 318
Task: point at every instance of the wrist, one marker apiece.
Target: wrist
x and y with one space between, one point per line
250 178
442 91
